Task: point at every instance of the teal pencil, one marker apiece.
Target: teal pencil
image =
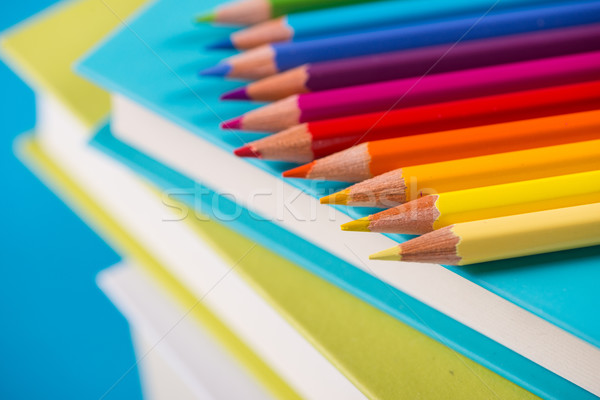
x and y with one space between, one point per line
362 16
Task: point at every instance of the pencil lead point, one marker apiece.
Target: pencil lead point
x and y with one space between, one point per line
360 225
234 123
299 172
391 254
217 70
247 151
225 44
208 17
336 198
237 94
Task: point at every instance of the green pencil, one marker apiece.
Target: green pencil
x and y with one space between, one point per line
248 12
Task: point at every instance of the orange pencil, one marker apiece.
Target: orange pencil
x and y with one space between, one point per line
373 158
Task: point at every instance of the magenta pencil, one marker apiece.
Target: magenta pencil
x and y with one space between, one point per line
401 93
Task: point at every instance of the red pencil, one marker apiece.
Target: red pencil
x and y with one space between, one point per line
308 141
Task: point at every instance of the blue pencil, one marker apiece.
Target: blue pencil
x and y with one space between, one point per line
270 59
347 19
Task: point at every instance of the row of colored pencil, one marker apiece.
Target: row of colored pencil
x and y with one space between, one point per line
476 125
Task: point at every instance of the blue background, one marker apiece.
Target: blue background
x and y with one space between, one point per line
60 337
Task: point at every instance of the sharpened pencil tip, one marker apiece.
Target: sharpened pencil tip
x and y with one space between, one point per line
235 123
246 151
299 172
336 198
217 70
208 17
237 94
360 225
391 254
225 44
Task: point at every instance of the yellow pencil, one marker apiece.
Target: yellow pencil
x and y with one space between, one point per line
504 237
409 183
437 211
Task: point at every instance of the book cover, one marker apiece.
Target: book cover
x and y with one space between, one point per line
43 49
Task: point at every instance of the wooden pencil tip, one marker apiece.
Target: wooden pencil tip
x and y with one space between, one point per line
360 225
299 172
235 123
391 254
336 198
237 94
246 151
217 70
208 17
225 44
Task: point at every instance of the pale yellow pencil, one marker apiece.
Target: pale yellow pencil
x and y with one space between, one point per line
504 237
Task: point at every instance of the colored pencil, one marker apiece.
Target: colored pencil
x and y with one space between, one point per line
306 142
270 59
248 12
504 237
416 62
384 96
374 158
359 17
436 211
409 183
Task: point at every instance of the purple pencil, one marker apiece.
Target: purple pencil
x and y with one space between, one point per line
400 93
429 60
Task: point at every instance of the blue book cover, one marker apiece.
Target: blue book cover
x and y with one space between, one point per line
153 61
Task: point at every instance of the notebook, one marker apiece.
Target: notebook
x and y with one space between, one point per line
164 330
413 364
159 99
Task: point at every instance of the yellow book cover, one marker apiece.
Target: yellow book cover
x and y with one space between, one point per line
43 49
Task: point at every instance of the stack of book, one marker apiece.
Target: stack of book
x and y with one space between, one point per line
475 123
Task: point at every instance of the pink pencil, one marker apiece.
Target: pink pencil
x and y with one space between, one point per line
420 90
